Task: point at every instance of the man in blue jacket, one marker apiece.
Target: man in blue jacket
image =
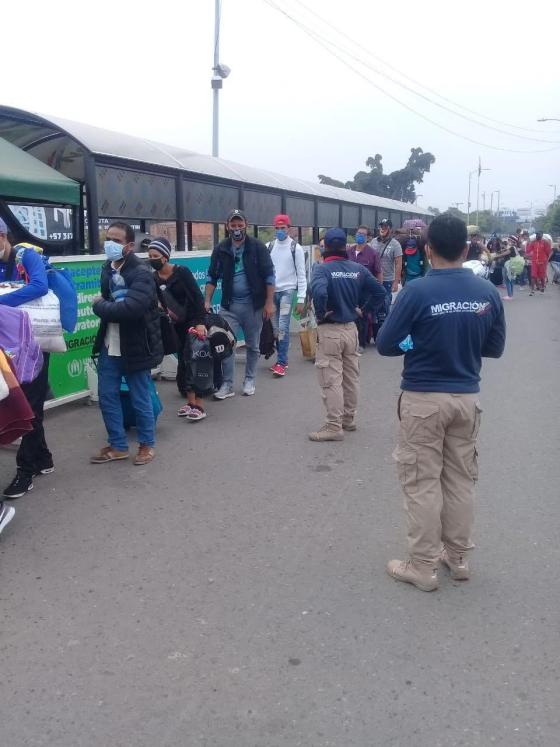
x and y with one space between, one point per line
444 324
33 457
342 292
128 344
244 266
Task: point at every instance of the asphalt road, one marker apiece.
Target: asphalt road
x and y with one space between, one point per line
233 592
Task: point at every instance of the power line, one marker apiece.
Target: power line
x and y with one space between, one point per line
423 85
320 40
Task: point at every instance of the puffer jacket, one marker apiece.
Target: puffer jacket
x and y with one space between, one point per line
137 316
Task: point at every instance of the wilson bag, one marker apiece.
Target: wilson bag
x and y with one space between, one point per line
220 336
202 365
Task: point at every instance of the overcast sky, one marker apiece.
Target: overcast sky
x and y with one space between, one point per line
289 105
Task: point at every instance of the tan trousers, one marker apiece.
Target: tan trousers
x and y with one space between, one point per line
437 464
339 372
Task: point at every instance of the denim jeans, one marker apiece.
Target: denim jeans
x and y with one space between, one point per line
509 285
242 316
388 284
281 323
110 372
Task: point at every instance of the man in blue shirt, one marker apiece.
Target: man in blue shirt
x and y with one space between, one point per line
444 324
244 266
342 292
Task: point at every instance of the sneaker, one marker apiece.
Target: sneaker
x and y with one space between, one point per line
405 570
279 370
458 566
249 387
196 413
350 426
532 293
6 515
145 455
326 434
507 298
224 392
48 469
184 411
108 454
274 366
20 485
360 350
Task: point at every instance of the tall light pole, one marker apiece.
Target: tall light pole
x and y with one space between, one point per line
469 196
483 202
457 204
498 209
479 171
220 72
554 188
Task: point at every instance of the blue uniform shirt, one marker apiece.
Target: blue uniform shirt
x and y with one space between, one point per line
339 286
454 318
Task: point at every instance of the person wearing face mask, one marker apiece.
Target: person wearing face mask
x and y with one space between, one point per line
180 295
362 253
33 457
244 266
289 268
390 253
128 344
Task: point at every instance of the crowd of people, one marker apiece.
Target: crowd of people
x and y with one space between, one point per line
402 290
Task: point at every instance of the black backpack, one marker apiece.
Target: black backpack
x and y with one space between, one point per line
220 336
202 365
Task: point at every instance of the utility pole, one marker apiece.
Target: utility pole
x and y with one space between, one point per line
220 72
469 197
479 171
554 188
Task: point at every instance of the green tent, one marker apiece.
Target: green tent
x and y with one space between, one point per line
24 177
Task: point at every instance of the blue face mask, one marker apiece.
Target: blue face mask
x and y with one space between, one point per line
113 250
360 238
281 234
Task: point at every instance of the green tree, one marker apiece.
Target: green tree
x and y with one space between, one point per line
550 221
399 185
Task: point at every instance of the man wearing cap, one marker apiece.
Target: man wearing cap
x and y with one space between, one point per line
390 253
128 344
342 291
244 266
33 457
365 255
289 268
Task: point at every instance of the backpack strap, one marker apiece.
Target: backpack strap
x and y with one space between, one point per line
293 247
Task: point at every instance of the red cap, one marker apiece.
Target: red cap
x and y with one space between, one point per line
282 219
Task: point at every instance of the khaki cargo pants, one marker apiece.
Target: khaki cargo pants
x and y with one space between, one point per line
339 371
437 464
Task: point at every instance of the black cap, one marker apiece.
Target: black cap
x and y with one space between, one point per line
385 222
236 214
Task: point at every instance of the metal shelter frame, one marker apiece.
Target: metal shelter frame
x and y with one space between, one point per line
130 178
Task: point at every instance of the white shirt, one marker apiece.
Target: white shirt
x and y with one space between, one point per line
289 277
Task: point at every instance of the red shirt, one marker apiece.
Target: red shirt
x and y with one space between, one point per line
539 251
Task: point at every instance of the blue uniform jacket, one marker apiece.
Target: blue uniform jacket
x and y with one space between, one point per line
340 286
